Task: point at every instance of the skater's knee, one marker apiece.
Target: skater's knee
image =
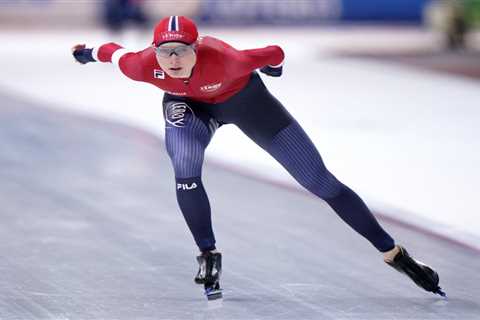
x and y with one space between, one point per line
322 184
187 165
325 191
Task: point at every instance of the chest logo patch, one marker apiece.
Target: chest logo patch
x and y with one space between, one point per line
211 87
158 74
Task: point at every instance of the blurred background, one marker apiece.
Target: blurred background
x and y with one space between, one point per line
388 90
456 20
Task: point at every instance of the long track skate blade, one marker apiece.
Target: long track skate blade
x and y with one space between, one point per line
441 293
213 294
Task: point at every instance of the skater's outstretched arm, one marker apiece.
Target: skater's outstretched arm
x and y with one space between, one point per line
129 63
268 59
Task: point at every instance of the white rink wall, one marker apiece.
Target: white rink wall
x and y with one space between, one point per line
405 140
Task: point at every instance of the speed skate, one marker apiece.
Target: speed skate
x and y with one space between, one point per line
209 272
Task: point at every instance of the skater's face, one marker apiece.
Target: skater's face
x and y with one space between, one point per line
176 59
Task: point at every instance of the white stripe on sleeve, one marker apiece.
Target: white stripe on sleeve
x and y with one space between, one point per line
95 53
278 65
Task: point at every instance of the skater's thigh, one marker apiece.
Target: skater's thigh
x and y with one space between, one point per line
185 120
259 114
188 131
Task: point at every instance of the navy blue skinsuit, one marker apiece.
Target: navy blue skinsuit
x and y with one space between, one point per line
191 124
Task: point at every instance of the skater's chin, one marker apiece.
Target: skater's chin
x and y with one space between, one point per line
175 72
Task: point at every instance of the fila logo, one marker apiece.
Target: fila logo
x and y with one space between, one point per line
211 87
185 186
158 74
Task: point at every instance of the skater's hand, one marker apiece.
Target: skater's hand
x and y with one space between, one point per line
82 54
272 71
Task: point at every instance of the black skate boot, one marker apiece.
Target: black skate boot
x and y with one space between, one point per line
423 276
209 272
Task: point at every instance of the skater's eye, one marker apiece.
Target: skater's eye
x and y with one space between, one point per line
179 51
182 50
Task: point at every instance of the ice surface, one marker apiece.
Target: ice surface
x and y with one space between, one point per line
91 230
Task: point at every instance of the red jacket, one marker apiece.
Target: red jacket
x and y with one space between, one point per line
219 73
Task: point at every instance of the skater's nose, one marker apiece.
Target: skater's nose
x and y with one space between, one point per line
174 57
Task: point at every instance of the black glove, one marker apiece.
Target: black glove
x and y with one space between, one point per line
81 54
272 71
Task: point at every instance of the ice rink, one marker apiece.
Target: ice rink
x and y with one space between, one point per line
90 224
404 137
91 230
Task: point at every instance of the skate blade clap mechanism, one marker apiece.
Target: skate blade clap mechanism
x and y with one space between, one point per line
423 276
209 272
